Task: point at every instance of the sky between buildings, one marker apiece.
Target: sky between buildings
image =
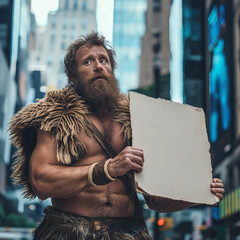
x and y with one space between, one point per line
104 14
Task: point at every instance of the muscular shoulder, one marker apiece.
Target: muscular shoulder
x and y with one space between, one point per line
60 112
46 139
46 147
48 112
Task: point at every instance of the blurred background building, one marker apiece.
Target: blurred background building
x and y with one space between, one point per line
184 50
128 28
72 19
157 29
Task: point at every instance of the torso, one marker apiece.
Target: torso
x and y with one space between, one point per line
110 200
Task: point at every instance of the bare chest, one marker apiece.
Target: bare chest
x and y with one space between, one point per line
111 130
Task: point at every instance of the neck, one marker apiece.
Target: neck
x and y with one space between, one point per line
103 113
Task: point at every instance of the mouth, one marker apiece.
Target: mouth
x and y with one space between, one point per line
99 78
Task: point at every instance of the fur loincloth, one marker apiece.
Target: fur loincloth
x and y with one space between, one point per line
62 113
59 225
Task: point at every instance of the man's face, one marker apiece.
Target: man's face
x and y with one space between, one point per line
95 80
93 62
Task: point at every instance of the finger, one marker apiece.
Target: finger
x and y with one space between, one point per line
134 156
137 160
137 152
216 185
137 167
217 180
134 151
133 148
219 195
217 190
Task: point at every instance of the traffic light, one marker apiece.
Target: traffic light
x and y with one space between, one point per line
165 223
161 222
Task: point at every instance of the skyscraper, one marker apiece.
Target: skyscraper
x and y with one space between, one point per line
187 52
14 82
72 19
157 22
128 28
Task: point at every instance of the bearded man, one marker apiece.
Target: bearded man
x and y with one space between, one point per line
75 148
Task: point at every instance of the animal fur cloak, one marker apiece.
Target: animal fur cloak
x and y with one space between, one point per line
62 113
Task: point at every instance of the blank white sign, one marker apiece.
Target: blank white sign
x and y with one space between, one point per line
176 149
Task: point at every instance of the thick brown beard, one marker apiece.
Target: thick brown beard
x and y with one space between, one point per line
98 94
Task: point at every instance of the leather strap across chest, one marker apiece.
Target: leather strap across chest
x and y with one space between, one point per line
127 179
102 140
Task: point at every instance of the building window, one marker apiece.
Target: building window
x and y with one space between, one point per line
2 100
2 147
52 38
75 6
231 183
61 65
50 60
156 5
51 47
84 5
84 23
53 23
3 34
73 35
4 3
63 46
64 23
66 4
73 23
64 35
238 172
1 119
40 47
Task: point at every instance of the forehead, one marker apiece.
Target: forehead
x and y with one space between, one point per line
84 52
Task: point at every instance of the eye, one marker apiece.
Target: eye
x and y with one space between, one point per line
103 60
87 62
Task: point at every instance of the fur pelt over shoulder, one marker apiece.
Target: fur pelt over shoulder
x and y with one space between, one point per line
63 113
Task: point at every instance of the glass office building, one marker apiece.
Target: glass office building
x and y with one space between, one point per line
187 51
128 28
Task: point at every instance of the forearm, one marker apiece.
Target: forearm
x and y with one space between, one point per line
161 204
57 181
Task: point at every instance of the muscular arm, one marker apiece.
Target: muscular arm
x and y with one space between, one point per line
51 179
162 204
48 177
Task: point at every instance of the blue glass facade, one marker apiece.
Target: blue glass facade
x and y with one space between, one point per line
188 48
193 57
220 91
128 28
204 60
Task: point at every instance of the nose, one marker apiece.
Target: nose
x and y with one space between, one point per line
97 66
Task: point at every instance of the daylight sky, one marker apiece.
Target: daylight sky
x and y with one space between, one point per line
104 14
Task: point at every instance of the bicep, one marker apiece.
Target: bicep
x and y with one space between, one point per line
50 178
45 150
44 153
